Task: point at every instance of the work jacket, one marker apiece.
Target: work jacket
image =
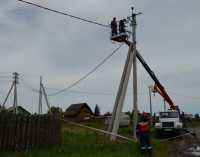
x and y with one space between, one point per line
143 127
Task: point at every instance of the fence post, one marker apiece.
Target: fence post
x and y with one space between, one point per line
1 130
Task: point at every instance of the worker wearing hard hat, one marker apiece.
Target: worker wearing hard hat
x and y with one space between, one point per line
144 133
122 26
114 26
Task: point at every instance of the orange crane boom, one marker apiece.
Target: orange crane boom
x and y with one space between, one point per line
158 86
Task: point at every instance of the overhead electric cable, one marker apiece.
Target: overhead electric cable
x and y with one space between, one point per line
90 92
28 86
66 14
183 95
82 92
88 74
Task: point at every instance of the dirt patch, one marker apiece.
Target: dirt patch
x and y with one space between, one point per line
192 151
189 145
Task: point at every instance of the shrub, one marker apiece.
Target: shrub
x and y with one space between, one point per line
196 116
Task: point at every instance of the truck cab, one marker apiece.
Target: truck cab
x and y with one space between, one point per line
169 121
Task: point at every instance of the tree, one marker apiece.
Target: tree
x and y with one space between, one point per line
107 114
96 110
196 116
3 109
55 110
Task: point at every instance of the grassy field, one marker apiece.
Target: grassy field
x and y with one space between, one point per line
195 123
79 142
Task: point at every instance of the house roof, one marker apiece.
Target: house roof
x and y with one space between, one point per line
20 109
75 109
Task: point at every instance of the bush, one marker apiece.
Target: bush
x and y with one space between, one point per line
196 116
3 109
97 110
55 110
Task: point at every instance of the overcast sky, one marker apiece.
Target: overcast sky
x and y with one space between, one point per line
36 42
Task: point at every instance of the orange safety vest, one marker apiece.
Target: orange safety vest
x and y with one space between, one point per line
143 127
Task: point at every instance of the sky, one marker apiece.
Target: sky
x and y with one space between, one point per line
35 42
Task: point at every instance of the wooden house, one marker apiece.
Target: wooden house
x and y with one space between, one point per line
78 112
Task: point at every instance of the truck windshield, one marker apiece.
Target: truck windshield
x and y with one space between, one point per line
169 114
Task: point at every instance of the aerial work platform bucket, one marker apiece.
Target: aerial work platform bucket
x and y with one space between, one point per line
122 37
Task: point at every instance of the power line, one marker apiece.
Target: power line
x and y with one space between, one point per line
88 74
35 90
175 93
28 86
90 92
183 95
83 92
66 14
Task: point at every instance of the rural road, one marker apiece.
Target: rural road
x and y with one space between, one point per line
189 146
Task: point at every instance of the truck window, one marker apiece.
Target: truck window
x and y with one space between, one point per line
169 115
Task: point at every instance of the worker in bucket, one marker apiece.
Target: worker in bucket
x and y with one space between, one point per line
114 26
122 26
144 133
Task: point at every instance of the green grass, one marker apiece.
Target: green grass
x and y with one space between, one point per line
194 123
79 142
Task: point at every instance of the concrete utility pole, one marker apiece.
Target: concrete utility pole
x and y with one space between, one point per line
3 105
15 82
46 98
40 97
130 61
42 92
114 124
135 93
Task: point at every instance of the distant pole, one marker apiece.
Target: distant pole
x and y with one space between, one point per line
3 105
150 102
164 105
16 81
46 98
40 97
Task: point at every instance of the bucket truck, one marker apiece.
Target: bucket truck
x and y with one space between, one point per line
168 120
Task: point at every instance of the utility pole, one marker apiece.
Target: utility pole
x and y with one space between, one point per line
150 102
130 61
46 98
15 82
135 93
42 92
40 97
116 114
164 105
3 105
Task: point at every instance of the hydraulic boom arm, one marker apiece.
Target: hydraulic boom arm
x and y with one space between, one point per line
158 86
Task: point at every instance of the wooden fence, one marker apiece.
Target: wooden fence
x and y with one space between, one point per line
19 132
